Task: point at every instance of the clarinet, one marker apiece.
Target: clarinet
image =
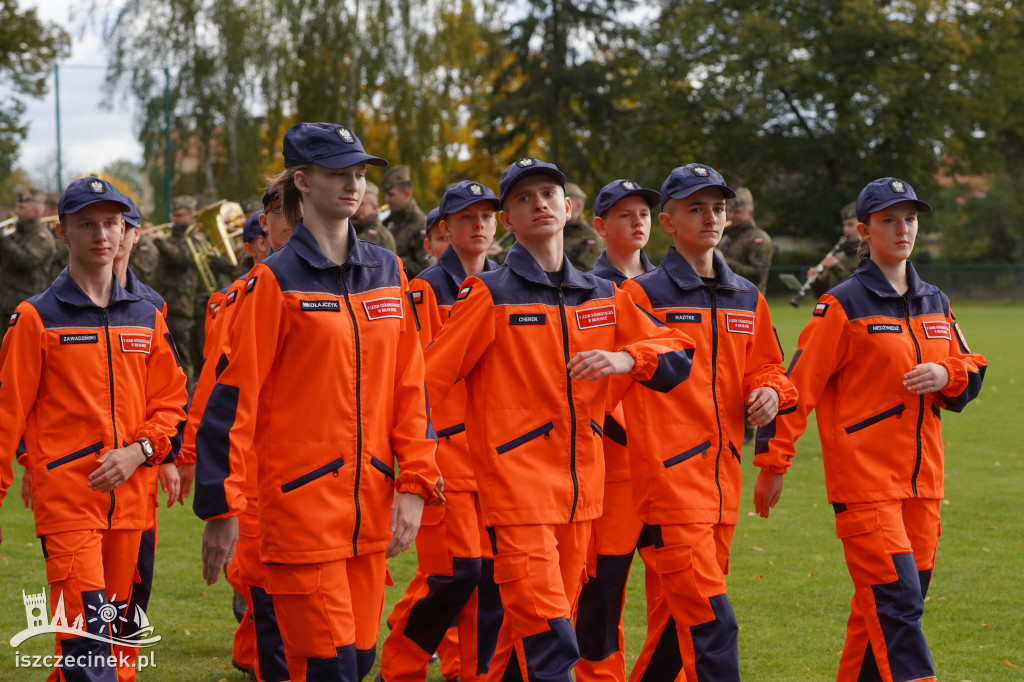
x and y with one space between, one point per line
817 273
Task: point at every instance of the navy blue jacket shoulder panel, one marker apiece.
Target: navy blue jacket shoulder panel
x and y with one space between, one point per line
675 284
867 293
64 304
522 281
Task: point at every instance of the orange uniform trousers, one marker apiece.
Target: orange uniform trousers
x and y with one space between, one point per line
257 641
450 562
539 570
890 553
329 615
90 573
691 628
613 541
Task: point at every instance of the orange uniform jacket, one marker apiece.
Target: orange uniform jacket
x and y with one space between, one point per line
535 434
879 441
324 378
684 446
216 347
432 294
77 380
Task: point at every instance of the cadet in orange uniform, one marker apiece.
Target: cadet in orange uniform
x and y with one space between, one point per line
684 446
622 216
880 357
257 643
324 378
547 335
448 545
166 473
89 377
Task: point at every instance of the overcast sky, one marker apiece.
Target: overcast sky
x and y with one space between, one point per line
91 136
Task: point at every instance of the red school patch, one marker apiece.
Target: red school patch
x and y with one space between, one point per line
936 329
596 317
135 343
379 308
739 324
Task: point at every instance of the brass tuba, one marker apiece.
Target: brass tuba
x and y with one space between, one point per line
212 236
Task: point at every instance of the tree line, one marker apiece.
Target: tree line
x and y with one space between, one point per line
801 101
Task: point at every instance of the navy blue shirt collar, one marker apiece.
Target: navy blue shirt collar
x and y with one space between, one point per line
522 262
306 247
869 275
605 270
67 291
450 263
683 274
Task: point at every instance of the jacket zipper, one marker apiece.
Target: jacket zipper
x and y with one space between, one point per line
572 408
359 409
714 391
920 399
113 421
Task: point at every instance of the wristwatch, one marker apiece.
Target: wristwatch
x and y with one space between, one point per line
147 448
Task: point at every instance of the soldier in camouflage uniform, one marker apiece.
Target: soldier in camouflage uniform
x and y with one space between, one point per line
842 265
145 259
406 222
178 281
746 248
367 222
27 256
582 244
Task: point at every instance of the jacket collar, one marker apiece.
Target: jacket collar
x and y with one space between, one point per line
521 262
602 264
683 274
67 291
450 263
305 246
872 278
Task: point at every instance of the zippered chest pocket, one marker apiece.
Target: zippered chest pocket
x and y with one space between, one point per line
895 411
330 467
526 438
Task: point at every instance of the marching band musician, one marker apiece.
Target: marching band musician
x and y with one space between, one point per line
27 255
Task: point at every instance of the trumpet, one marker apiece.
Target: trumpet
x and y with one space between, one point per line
818 269
8 226
158 231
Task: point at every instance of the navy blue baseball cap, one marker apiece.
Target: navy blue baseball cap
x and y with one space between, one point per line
883 193
433 218
88 191
131 216
252 230
685 180
464 194
327 145
620 189
526 167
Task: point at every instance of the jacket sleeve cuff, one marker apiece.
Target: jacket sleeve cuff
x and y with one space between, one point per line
417 485
957 377
771 468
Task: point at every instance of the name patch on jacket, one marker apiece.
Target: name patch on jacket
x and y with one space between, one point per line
739 324
682 317
79 338
936 330
528 319
379 308
329 306
596 317
135 343
885 329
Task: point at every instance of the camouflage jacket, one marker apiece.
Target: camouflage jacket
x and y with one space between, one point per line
27 260
144 260
372 230
407 228
747 250
833 275
582 244
177 276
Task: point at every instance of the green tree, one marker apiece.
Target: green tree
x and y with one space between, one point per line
805 102
29 48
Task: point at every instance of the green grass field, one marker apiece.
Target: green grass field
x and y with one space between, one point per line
788 583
